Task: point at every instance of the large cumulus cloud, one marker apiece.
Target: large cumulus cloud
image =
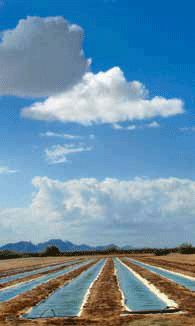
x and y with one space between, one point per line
105 97
143 212
41 57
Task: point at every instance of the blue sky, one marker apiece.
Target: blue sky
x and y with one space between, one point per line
97 122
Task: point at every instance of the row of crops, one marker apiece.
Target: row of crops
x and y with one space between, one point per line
33 272
184 280
69 300
12 291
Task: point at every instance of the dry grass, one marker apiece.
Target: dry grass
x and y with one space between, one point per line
34 276
175 262
103 307
105 297
7 265
184 297
178 258
21 303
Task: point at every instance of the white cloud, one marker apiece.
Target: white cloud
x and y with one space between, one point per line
6 170
65 136
58 153
132 127
89 210
153 124
105 97
119 127
41 57
187 129
60 135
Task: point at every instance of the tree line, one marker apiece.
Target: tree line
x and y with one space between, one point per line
53 251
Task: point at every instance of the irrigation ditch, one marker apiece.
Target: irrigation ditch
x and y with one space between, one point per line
184 280
29 276
21 303
109 291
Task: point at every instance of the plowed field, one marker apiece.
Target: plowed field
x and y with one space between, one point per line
105 302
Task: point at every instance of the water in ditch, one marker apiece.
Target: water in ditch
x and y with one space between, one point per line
67 301
182 280
33 272
13 291
138 296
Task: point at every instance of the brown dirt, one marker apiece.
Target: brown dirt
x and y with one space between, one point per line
14 266
32 277
184 297
105 297
13 308
178 258
100 302
175 262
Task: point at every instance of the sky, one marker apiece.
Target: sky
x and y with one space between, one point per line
97 122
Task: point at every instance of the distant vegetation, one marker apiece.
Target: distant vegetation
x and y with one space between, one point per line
7 254
52 251
186 248
161 252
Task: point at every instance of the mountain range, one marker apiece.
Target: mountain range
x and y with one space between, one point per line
27 246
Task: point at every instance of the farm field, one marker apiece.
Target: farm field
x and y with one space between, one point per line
174 261
96 291
23 264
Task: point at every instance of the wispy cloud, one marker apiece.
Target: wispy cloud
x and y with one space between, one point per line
59 153
187 128
119 127
65 136
59 135
152 124
131 127
6 170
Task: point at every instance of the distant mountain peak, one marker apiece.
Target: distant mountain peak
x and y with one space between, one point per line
29 247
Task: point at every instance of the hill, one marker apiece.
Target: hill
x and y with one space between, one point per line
29 247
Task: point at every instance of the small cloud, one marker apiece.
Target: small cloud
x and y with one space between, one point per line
132 127
6 170
92 136
58 153
153 124
187 129
60 135
117 126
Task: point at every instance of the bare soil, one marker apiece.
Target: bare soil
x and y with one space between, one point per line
105 298
17 306
175 262
104 306
182 296
14 266
32 277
